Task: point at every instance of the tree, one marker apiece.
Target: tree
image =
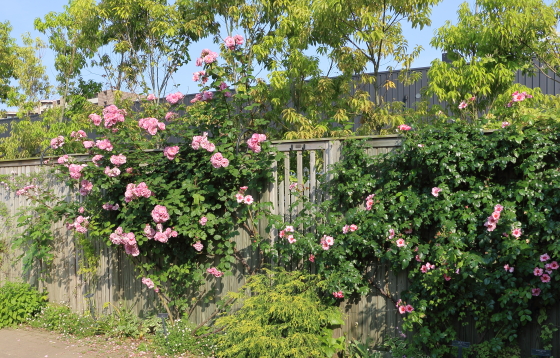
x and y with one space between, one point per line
7 59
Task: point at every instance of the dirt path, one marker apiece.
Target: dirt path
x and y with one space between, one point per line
25 342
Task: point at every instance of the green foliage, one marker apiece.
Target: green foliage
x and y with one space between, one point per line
399 347
60 318
181 339
358 349
494 347
18 303
515 167
282 316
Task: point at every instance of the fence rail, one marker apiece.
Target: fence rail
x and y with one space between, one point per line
370 317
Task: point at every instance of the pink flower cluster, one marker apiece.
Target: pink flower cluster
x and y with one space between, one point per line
198 246
204 96
232 41
404 127
76 170
174 97
246 199
109 206
203 220
464 104
348 228
85 187
134 191
159 234
148 282
202 142
200 76
118 159
215 272
436 191
505 124
206 57
401 243
492 220
151 125
404 308
338 294
369 201
508 268
96 159
78 135
113 115
25 189
170 152
427 267
327 242
95 118
548 268
171 115
160 214
518 97
126 239
63 160
80 224
516 232
218 161
255 141
112 172
104 144
151 97
289 237
57 142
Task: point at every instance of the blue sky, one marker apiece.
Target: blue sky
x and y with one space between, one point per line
22 13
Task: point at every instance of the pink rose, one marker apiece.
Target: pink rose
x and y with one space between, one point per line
170 152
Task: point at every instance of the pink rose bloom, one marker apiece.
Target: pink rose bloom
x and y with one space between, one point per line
198 246
170 152
401 243
430 266
281 233
113 115
325 246
75 171
496 215
518 97
312 258
57 142
329 240
289 229
417 258
85 187
544 257
505 124
506 267
207 95
148 282
112 172
338 294
554 265
436 191
171 115
95 118
404 127
159 214
516 232
88 144
229 42
402 309
131 249
63 159
248 200
535 291
538 271
291 239
391 233
424 269
239 197
104 144
151 125
353 227
203 220
545 278
79 134
222 86
96 159
498 208
198 62
345 229
409 308
215 272
218 160
118 159
129 170
447 278
81 210
151 97
174 97
238 39
462 105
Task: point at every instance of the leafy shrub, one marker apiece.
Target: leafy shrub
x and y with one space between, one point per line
18 303
399 347
493 348
60 318
282 316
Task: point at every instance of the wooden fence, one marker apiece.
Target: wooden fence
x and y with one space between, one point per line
372 317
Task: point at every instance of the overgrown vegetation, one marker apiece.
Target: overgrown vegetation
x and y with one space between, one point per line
18 303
